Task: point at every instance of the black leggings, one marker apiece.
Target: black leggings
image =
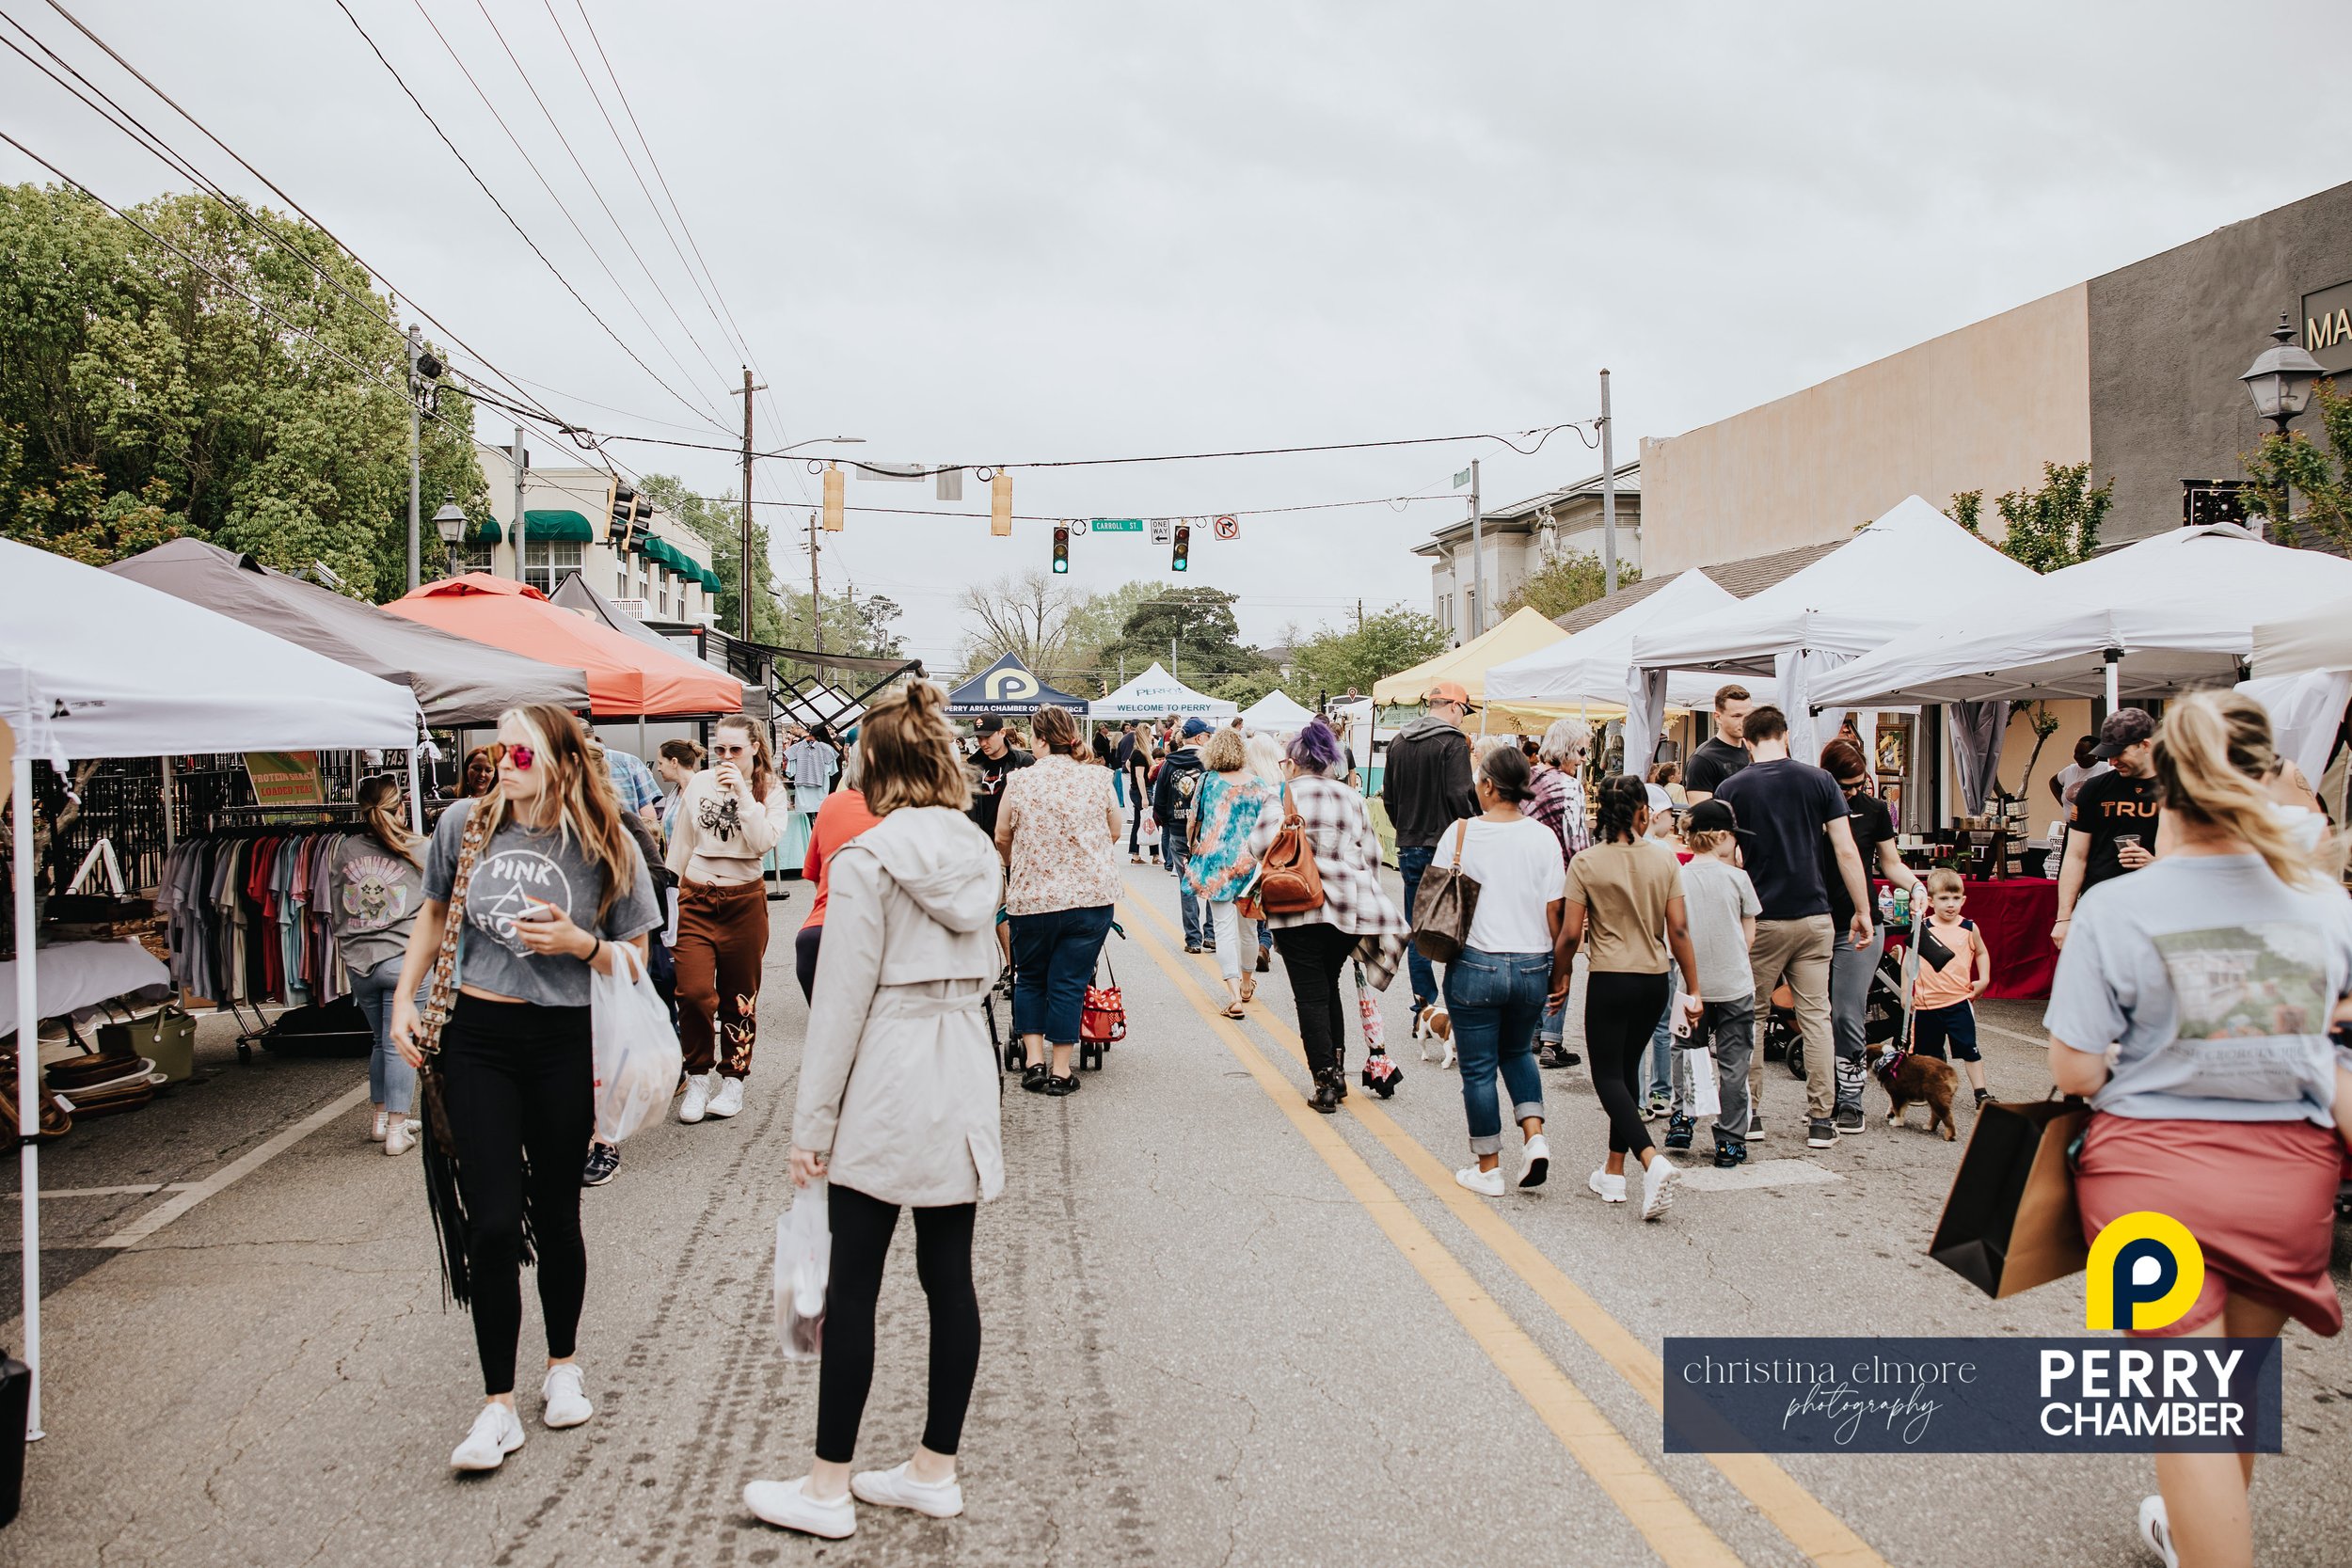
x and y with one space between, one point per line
1314 956
1620 1014
519 1087
805 958
942 1262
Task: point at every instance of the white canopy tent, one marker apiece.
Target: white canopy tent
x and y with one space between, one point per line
1867 592
1594 667
2289 645
1155 694
96 665
1276 714
2168 614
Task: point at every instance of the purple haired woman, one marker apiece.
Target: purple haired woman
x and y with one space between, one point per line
1355 921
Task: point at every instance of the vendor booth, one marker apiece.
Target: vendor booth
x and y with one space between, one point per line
1155 694
1007 687
1521 633
1591 673
97 665
1276 714
626 678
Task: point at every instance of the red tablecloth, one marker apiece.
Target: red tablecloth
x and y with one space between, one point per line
2015 915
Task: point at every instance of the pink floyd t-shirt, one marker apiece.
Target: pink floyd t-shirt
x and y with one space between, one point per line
518 870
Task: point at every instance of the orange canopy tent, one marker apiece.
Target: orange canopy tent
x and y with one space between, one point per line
626 678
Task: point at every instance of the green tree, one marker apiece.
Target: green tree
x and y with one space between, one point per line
2321 476
2046 529
1200 623
1338 659
716 519
142 397
1568 583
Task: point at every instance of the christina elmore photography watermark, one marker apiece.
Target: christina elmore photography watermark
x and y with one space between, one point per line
1757 1395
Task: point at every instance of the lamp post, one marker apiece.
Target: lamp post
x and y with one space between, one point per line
450 522
2280 382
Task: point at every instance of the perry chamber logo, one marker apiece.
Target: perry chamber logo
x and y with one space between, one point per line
2162 1391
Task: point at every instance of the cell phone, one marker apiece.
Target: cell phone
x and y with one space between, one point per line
536 910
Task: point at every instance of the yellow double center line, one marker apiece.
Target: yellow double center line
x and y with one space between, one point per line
1674 1531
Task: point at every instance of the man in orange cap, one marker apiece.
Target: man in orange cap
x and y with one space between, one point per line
1426 789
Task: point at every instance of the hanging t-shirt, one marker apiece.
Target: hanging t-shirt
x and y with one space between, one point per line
2109 809
518 868
1783 806
1517 867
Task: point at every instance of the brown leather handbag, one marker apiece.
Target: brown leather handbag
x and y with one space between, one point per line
1288 882
1444 907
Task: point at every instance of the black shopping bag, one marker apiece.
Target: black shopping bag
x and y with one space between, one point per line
2010 1222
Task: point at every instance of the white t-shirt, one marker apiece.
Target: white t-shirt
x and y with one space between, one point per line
1520 872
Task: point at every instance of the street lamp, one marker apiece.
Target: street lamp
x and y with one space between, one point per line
451 523
2280 382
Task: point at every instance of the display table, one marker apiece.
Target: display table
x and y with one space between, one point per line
78 974
2014 915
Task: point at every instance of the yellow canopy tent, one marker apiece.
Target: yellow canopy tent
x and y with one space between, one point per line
1524 632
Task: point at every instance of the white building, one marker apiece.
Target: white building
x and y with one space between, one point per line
665 577
1519 540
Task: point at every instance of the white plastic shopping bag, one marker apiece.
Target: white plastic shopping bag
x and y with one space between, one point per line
637 1056
804 1261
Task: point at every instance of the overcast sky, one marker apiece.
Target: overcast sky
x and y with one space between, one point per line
1007 232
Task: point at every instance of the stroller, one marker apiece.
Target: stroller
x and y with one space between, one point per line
1883 1016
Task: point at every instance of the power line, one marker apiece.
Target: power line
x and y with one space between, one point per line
520 229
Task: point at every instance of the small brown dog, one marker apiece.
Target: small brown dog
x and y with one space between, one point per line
1910 1079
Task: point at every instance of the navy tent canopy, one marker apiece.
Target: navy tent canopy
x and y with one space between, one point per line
1007 687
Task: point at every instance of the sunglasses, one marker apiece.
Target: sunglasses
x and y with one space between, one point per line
521 756
729 751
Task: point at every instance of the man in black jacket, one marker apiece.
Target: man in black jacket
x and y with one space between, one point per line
1426 789
1171 804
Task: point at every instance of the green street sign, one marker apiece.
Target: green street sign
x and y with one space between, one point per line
1117 525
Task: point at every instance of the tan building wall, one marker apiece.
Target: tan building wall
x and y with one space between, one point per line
1981 408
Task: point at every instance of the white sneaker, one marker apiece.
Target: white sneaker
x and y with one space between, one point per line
787 1504
730 1100
1486 1183
376 1132
566 1405
2155 1529
1538 1164
1658 1186
1611 1188
497 1433
398 1139
697 1100
896 1488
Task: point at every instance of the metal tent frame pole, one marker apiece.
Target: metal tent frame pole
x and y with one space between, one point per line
27 1068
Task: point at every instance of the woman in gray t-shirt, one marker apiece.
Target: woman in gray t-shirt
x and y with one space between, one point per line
558 881
378 885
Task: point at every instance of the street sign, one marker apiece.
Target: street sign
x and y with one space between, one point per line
1162 529
1117 525
1229 528
1461 478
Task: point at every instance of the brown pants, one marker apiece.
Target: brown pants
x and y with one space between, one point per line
721 943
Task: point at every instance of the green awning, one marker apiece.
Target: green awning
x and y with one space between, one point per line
488 532
710 580
557 524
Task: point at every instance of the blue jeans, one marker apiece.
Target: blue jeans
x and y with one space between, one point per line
1176 854
1662 1052
1496 1000
392 1082
1554 1026
1053 963
1411 864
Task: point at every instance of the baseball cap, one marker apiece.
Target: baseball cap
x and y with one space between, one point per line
1195 726
987 724
2125 727
1712 816
1448 691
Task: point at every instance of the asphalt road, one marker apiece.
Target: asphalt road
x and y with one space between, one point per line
1219 1329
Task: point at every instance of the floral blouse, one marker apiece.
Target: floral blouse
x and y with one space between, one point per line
1226 809
1056 815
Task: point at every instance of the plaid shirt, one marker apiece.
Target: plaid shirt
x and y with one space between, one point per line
632 780
1558 803
1348 857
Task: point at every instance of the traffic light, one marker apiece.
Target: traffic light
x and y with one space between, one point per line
1000 506
1184 548
835 482
1061 546
621 508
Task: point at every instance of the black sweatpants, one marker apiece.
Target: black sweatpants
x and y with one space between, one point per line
1620 1013
1316 955
521 1091
942 1262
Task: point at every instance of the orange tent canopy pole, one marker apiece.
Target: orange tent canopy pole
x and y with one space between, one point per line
627 679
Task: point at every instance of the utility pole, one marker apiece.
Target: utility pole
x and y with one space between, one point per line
1608 494
416 448
1360 617
815 620
522 465
1478 558
1171 656
743 628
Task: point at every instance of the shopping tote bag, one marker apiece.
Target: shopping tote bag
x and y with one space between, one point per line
636 1058
2011 1221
